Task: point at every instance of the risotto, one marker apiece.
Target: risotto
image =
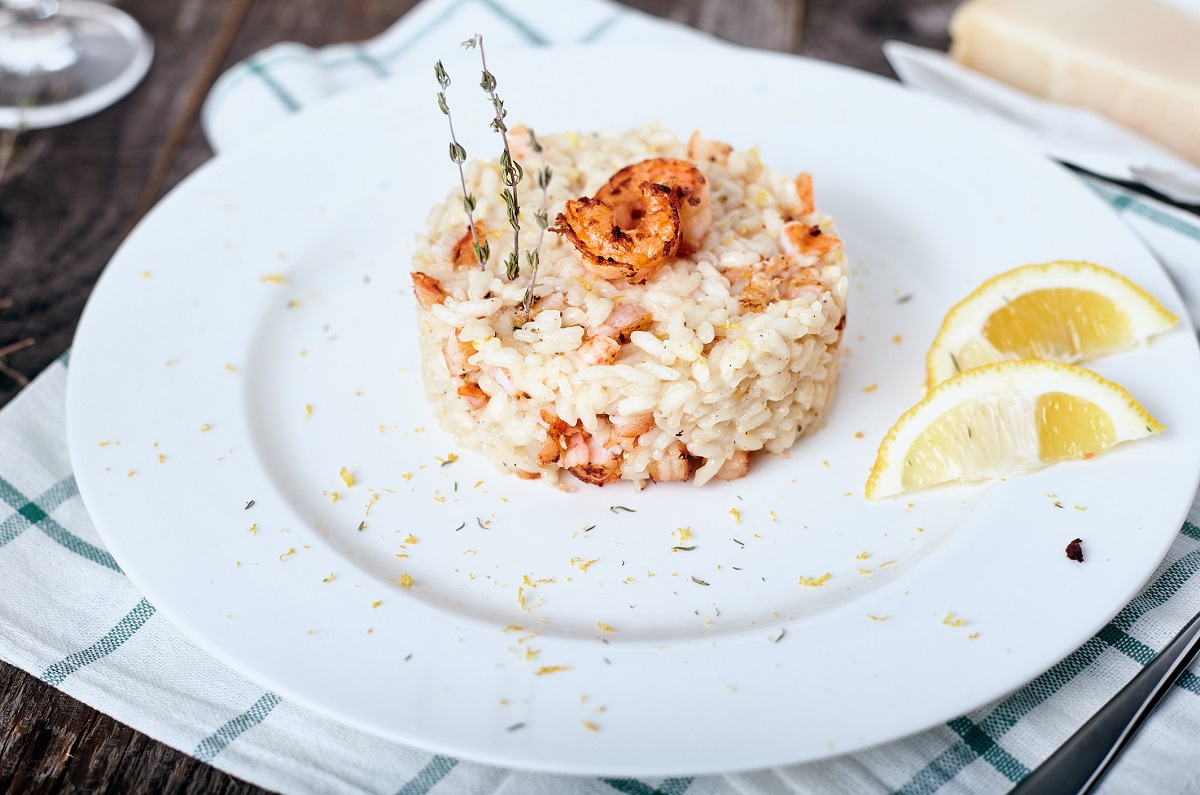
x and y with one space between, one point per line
687 311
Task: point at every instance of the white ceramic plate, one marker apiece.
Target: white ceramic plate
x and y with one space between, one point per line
185 350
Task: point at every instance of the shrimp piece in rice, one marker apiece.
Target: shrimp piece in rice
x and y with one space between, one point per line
688 187
590 460
604 342
611 252
736 467
709 151
674 465
805 190
598 349
623 321
473 396
463 252
428 289
627 430
800 238
555 430
456 354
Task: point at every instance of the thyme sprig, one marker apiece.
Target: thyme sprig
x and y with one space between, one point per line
510 169
543 222
459 156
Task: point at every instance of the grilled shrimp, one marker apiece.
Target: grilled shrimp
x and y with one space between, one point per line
688 187
612 252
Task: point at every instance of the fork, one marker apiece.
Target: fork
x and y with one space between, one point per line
1078 765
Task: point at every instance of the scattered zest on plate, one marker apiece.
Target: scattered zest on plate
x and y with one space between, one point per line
1064 311
1003 419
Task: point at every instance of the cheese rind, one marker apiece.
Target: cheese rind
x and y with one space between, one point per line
1134 61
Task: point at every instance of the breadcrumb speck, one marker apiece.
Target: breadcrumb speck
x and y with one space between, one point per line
406 581
551 669
205 428
273 278
347 478
815 582
951 621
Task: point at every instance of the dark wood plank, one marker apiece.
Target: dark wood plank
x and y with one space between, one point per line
852 32
766 24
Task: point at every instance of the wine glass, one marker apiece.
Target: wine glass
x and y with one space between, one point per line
61 60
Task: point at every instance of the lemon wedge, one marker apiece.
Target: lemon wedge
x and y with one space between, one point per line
1004 419
1064 311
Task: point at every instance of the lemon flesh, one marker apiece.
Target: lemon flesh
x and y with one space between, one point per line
1005 419
1062 311
1069 427
1062 324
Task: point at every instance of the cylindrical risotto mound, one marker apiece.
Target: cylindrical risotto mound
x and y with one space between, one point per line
687 311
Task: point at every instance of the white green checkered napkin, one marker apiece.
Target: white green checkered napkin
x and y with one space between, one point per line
69 616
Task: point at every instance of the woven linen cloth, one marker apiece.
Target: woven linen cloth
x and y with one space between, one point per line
70 617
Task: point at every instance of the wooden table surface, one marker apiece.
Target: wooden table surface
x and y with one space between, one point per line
68 196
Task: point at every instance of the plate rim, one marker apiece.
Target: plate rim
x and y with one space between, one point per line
352 97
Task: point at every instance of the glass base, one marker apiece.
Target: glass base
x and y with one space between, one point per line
70 66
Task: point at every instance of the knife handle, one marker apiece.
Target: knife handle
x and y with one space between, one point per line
1078 765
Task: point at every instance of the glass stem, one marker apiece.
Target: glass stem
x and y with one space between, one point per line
30 11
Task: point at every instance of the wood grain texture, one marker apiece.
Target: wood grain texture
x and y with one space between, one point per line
70 194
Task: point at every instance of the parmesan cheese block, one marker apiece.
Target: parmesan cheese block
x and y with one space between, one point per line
1134 61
